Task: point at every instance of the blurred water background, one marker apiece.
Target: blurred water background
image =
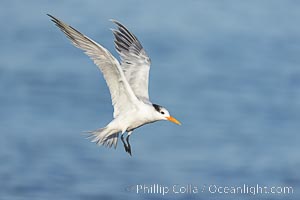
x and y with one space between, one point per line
228 70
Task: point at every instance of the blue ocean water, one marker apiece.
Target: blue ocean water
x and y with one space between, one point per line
229 71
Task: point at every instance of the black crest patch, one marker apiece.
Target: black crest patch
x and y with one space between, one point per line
157 107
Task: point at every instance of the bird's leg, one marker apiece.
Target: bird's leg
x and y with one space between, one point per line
128 144
125 145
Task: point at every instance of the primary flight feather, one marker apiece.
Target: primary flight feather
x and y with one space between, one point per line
127 83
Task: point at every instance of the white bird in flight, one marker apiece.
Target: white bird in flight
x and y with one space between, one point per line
127 82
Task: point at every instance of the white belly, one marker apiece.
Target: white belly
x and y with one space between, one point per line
135 118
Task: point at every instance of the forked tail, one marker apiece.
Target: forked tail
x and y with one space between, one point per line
105 136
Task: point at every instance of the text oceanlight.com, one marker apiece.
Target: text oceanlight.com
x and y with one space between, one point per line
212 189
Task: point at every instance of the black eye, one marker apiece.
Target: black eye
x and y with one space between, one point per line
162 112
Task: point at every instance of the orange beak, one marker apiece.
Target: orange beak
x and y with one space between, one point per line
172 119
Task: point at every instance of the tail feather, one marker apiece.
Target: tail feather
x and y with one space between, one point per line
105 137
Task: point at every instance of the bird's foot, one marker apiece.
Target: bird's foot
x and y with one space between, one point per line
128 149
126 144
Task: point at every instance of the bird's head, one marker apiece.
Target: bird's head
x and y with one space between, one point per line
163 114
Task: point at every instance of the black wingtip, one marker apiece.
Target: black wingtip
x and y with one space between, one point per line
53 19
116 22
51 16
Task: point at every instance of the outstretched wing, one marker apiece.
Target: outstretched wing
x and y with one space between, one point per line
123 98
134 61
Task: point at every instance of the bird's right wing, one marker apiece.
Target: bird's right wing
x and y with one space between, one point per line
134 61
123 98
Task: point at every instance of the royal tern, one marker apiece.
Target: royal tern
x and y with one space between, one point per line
127 82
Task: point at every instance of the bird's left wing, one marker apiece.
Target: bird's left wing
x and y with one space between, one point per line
134 61
123 98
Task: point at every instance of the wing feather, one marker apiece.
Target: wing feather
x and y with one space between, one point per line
134 61
123 97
